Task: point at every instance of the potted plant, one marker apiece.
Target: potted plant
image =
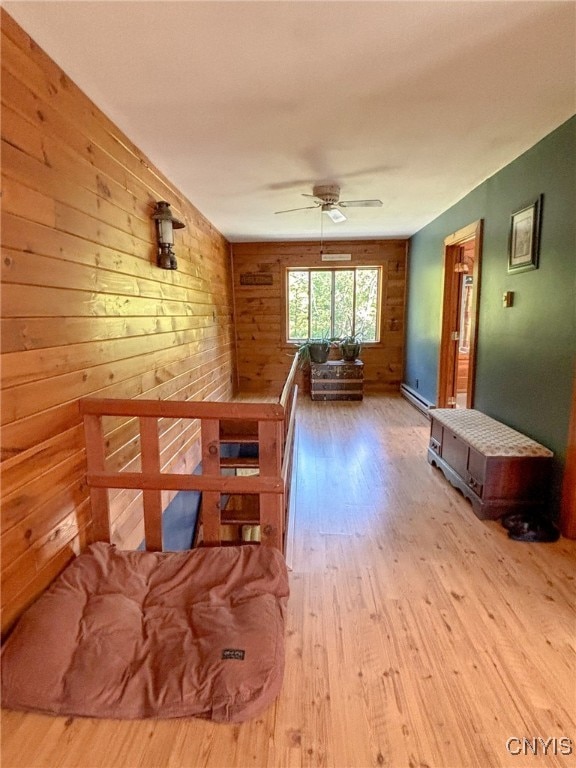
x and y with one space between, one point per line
314 350
350 347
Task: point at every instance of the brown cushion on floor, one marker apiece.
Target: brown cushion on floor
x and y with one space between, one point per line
145 634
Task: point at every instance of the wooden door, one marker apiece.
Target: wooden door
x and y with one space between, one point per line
457 363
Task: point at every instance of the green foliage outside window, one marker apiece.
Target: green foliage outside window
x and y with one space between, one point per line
333 303
298 304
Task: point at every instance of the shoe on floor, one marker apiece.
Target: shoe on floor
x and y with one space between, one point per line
513 519
534 530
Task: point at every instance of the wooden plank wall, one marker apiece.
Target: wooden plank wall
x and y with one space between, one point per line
263 355
85 311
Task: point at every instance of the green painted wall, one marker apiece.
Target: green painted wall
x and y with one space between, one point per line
526 353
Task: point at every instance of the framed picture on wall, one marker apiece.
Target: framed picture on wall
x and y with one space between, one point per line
524 237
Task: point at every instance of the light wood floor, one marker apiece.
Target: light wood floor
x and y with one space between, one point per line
418 636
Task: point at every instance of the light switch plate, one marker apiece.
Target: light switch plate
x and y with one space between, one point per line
508 299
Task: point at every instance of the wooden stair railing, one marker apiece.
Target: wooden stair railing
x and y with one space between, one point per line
269 425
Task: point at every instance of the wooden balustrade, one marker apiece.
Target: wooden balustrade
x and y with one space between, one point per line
270 426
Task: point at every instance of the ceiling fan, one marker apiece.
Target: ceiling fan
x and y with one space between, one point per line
327 198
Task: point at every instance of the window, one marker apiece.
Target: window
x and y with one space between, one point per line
334 303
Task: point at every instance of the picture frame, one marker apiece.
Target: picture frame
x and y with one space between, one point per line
524 238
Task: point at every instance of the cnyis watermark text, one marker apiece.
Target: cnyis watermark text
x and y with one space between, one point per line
553 745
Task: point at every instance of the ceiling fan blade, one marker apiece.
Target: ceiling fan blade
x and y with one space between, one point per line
336 215
314 197
360 203
306 208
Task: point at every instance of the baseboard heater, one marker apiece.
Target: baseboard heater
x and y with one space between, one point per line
416 399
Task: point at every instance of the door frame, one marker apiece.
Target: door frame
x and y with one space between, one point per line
450 319
568 508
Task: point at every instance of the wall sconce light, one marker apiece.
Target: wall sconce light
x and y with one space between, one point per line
165 226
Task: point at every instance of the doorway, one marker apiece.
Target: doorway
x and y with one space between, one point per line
457 364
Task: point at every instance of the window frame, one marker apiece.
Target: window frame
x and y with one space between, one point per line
333 270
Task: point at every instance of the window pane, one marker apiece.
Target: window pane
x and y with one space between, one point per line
333 302
298 302
321 304
343 302
367 304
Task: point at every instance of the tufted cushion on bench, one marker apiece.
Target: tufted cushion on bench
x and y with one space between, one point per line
153 634
490 437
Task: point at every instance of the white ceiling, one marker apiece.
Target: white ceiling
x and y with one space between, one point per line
246 105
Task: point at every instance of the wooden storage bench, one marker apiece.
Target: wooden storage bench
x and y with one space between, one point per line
497 468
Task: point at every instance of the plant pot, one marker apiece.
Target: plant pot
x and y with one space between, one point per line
319 352
350 351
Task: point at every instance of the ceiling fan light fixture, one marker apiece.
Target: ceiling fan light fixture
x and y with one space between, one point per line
327 198
336 215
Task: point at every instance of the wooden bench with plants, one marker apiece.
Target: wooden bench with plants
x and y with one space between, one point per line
333 379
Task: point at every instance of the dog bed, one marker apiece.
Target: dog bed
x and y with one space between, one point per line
153 635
